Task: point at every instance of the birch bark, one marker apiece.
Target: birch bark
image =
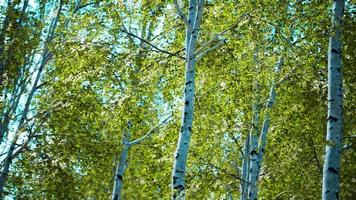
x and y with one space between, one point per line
263 136
331 169
245 170
119 176
181 155
254 147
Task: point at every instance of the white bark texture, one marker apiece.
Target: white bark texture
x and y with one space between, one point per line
254 148
331 169
181 155
264 131
245 170
122 165
123 162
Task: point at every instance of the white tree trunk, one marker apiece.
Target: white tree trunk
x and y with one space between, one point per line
254 133
253 150
264 131
121 167
331 169
245 170
46 56
180 158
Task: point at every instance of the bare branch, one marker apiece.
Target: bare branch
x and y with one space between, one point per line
152 45
315 154
78 7
222 33
287 77
181 14
149 133
350 137
219 44
225 172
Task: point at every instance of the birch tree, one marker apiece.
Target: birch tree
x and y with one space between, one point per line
123 163
192 23
30 74
23 118
331 169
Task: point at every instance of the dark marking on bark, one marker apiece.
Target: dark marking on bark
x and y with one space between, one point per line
174 180
333 119
253 152
186 102
332 170
177 155
119 177
190 128
333 99
116 197
337 195
188 82
179 187
335 51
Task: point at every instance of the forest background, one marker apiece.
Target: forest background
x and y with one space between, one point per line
89 84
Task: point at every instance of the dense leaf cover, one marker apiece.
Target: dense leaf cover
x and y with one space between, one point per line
110 67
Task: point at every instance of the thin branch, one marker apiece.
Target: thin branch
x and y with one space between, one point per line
219 44
350 137
226 172
287 77
84 5
149 133
181 14
152 45
279 194
315 154
222 33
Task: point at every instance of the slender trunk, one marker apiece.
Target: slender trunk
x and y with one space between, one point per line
331 169
9 157
245 171
6 23
265 127
46 56
254 149
121 167
6 168
16 94
179 166
254 133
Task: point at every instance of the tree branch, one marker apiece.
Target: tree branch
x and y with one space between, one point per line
78 7
152 45
287 77
149 133
222 33
181 14
226 172
210 49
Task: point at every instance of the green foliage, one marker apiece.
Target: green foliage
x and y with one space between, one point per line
101 78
